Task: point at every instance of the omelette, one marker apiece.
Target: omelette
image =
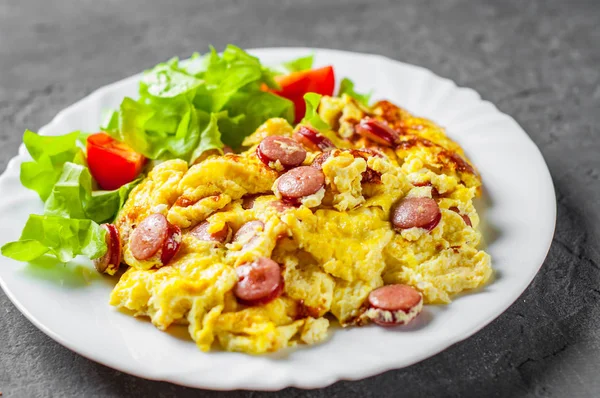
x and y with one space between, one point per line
256 251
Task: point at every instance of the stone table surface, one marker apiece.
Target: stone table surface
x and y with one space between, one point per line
536 60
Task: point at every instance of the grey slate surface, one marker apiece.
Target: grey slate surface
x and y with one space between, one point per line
537 60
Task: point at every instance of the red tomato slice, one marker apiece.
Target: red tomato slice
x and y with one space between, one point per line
111 162
295 85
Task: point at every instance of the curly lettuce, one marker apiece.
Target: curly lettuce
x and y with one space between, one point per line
49 155
312 101
72 209
300 64
72 196
186 108
62 238
347 87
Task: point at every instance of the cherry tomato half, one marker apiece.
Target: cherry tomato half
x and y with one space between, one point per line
295 85
111 162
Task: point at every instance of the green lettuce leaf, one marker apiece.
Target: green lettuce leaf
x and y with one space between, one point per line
72 196
172 117
311 116
195 65
69 226
166 81
104 205
234 55
129 128
229 73
210 137
49 153
68 196
299 64
251 110
347 87
60 237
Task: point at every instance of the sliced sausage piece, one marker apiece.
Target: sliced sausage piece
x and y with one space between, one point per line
394 304
312 139
395 298
465 217
377 131
221 236
149 236
318 161
300 182
259 282
416 212
248 201
288 151
248 233
171 245
111 260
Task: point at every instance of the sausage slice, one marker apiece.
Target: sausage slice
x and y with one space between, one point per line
394 304
300 182
416 212
312 139
111 260
248 233
320 159
201 232
171 245
377 131
259 282
288 151
149 236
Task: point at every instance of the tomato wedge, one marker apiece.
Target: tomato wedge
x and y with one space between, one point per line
112 163
295 85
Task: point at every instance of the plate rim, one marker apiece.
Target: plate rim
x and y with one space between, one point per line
289 381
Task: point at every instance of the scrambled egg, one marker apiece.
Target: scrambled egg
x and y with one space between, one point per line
334 249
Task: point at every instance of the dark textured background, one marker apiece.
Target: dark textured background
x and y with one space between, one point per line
537 60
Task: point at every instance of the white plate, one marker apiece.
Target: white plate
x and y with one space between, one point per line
70 303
